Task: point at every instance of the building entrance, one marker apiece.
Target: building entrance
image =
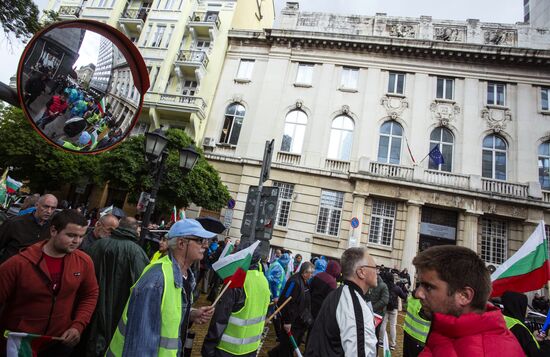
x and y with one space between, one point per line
437 227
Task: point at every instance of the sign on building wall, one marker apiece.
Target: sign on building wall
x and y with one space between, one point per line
439 231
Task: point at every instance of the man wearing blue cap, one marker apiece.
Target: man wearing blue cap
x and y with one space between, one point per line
158 312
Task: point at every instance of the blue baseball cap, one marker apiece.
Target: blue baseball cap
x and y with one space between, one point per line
189 227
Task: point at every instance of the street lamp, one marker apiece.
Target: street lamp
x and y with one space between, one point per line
156 154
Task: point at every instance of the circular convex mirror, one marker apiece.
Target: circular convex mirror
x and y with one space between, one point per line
81 84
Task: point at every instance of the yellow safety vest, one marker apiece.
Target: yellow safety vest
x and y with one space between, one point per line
511 322
417 327
171 316
244 329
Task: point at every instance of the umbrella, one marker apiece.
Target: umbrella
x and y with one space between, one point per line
74 126
211 224
115 211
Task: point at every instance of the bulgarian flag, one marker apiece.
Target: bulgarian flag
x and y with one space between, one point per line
12 185
234 266
527 270
22 344
174 216
228 249
3 189
387 351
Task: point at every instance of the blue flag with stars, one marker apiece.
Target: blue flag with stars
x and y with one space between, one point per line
436 156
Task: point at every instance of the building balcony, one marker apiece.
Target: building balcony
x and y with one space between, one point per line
337 165
204 23
172 106
288 158
505 188
443 178
69 12
389 170
192 58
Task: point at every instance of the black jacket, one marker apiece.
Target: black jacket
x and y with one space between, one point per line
20 232
298 310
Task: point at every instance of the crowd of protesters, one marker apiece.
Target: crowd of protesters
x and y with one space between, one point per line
95 285
85 125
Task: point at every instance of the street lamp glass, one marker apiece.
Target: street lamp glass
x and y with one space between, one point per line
155 142
188 158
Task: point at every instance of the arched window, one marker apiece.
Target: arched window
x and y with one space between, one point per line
295 130
389 146
544 165
234 116
341 138
494 158
444 138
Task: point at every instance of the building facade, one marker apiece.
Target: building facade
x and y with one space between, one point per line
84 74
99 84
536 13
356 103
183 44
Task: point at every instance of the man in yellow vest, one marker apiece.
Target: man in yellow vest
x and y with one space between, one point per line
237 326
415 328
159 311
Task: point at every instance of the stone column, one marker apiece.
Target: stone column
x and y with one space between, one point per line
410 247
357 211
470 229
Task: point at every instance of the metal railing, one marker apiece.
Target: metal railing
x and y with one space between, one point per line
202 17
443 178
193 56
183 99
389 170
140 14
337 165
70 11
505 188
288 158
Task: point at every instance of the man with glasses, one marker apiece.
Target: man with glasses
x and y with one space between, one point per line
345 323
158 312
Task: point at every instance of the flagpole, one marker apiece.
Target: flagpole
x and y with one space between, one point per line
266 326
223 291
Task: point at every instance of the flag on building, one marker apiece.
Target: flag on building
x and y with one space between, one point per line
410 151
21 344
234 266
387 352
528 269
436 155
12 185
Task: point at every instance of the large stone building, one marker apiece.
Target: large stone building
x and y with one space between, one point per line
536 12
355 104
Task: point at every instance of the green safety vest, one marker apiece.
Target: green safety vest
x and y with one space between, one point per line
414 325
511 322
170 309
244 329
69 145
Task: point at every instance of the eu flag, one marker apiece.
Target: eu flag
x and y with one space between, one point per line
436 156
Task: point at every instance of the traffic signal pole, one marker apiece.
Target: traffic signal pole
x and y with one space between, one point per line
264 176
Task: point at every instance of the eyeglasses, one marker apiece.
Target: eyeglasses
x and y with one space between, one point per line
196 239
368 266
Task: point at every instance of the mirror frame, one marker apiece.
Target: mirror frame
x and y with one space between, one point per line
124 45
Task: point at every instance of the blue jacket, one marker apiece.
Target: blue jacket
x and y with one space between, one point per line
276 275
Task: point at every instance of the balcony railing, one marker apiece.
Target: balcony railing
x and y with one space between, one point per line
288 158
203 17
505 188
70 11
183 99
138 14
337 165
546 196
388 170
443 178
193 56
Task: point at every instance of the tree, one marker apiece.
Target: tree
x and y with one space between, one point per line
19 17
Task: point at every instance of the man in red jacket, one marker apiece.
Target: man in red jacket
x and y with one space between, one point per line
50 288
454 288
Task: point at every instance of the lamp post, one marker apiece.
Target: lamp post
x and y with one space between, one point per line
156 154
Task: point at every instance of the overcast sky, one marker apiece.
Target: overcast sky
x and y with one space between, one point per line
503 11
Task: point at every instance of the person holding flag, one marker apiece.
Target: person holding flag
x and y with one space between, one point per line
237 325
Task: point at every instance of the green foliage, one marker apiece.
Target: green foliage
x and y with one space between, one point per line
20 18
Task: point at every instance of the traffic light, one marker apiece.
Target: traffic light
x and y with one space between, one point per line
266 213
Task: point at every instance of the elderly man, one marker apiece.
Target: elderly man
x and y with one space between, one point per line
345 324
102 229
158 311
454 288
23 231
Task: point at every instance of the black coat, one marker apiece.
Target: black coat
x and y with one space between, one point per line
20 232
298 310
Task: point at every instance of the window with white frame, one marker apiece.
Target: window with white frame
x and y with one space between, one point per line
444 139
295 131
304 74
382 222
189 87
286 190
544 94
330 212
544 165
168 4
231 130
445 88
494 240
350 77
341 138
493 164
389 145
157 37
169 36
147 34
245 69
396 83
496 93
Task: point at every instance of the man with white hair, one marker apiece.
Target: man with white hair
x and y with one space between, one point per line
158 311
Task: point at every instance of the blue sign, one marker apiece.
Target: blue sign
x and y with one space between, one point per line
354 222
231 203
